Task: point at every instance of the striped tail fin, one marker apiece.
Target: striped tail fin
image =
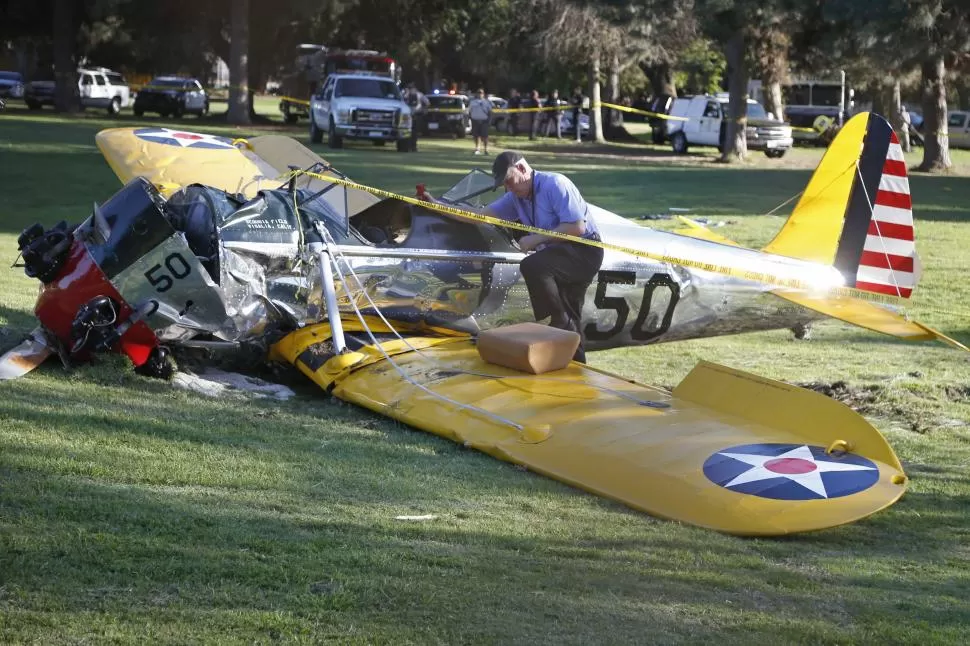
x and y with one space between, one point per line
856 212
877 250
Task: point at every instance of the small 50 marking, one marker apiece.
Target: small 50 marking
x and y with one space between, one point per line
177 269
618 304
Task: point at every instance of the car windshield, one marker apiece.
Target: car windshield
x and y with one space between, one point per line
172 83
367 88
755 111
445 101
10 76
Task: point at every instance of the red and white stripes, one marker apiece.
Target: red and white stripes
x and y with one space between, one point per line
888 263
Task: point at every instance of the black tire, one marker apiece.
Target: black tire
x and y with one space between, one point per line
114 107
316 135
205 109
290 118
678 142
776 153
405 146
333 139
138 112
378 142
33 105
178 111
163 115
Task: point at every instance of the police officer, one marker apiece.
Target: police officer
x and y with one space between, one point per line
418 103
559 272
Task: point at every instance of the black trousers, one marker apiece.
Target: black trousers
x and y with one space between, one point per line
557 278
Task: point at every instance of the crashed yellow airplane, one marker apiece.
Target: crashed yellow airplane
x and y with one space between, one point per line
386 303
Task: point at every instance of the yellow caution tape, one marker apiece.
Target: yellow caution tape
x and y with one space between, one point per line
292 99
624 108
761 277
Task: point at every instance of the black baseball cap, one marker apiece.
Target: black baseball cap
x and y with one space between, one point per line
502 164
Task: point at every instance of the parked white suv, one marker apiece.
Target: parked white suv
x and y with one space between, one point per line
102 88
706 125
360 106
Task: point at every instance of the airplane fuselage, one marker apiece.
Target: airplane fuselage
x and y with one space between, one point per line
633 300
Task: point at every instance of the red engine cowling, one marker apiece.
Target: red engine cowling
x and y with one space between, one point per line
78 282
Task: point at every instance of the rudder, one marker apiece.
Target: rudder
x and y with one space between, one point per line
856 212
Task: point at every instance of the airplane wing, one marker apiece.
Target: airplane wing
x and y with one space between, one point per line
171 159
726 450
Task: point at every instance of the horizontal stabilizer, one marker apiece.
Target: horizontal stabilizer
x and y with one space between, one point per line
726 450
871 316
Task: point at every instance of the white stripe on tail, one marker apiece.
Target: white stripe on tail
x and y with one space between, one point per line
888 264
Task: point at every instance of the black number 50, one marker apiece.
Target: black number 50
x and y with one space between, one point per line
639 331
163 280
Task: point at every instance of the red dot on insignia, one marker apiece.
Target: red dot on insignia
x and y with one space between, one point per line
790 466
185 135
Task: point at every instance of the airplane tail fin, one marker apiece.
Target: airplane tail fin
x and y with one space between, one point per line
856 212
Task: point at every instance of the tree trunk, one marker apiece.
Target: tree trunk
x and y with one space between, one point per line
772 77
239 99
735 142
66 97
936 137
774 102
882 98
595 110
901 127
613 119
661 78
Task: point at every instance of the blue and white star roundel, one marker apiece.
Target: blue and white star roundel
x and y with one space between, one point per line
182 139
790 471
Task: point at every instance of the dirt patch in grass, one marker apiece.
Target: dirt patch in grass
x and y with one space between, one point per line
895 403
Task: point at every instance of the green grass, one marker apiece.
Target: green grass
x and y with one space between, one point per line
131 512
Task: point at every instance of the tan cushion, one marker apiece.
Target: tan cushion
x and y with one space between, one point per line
529 347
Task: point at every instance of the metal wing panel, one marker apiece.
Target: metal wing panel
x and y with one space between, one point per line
171 159
687 461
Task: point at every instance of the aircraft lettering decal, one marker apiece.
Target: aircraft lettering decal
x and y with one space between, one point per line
790 471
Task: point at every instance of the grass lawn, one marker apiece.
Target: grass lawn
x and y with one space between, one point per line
132 512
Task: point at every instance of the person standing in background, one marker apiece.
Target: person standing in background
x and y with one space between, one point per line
515 102
480 112
577 102
534 117
418 103
554 118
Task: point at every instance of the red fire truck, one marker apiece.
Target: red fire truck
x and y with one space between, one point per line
315 62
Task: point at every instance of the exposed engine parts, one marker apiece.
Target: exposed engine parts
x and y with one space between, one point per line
44 251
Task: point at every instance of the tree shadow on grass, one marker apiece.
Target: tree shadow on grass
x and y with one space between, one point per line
76 544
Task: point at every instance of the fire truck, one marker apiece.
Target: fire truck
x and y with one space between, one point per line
315 62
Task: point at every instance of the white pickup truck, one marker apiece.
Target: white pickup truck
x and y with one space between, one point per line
704 123
360 106
96 88
958 125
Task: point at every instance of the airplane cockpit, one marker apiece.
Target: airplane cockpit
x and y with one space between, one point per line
393 223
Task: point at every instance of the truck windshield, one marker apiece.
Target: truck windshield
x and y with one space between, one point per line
367 88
